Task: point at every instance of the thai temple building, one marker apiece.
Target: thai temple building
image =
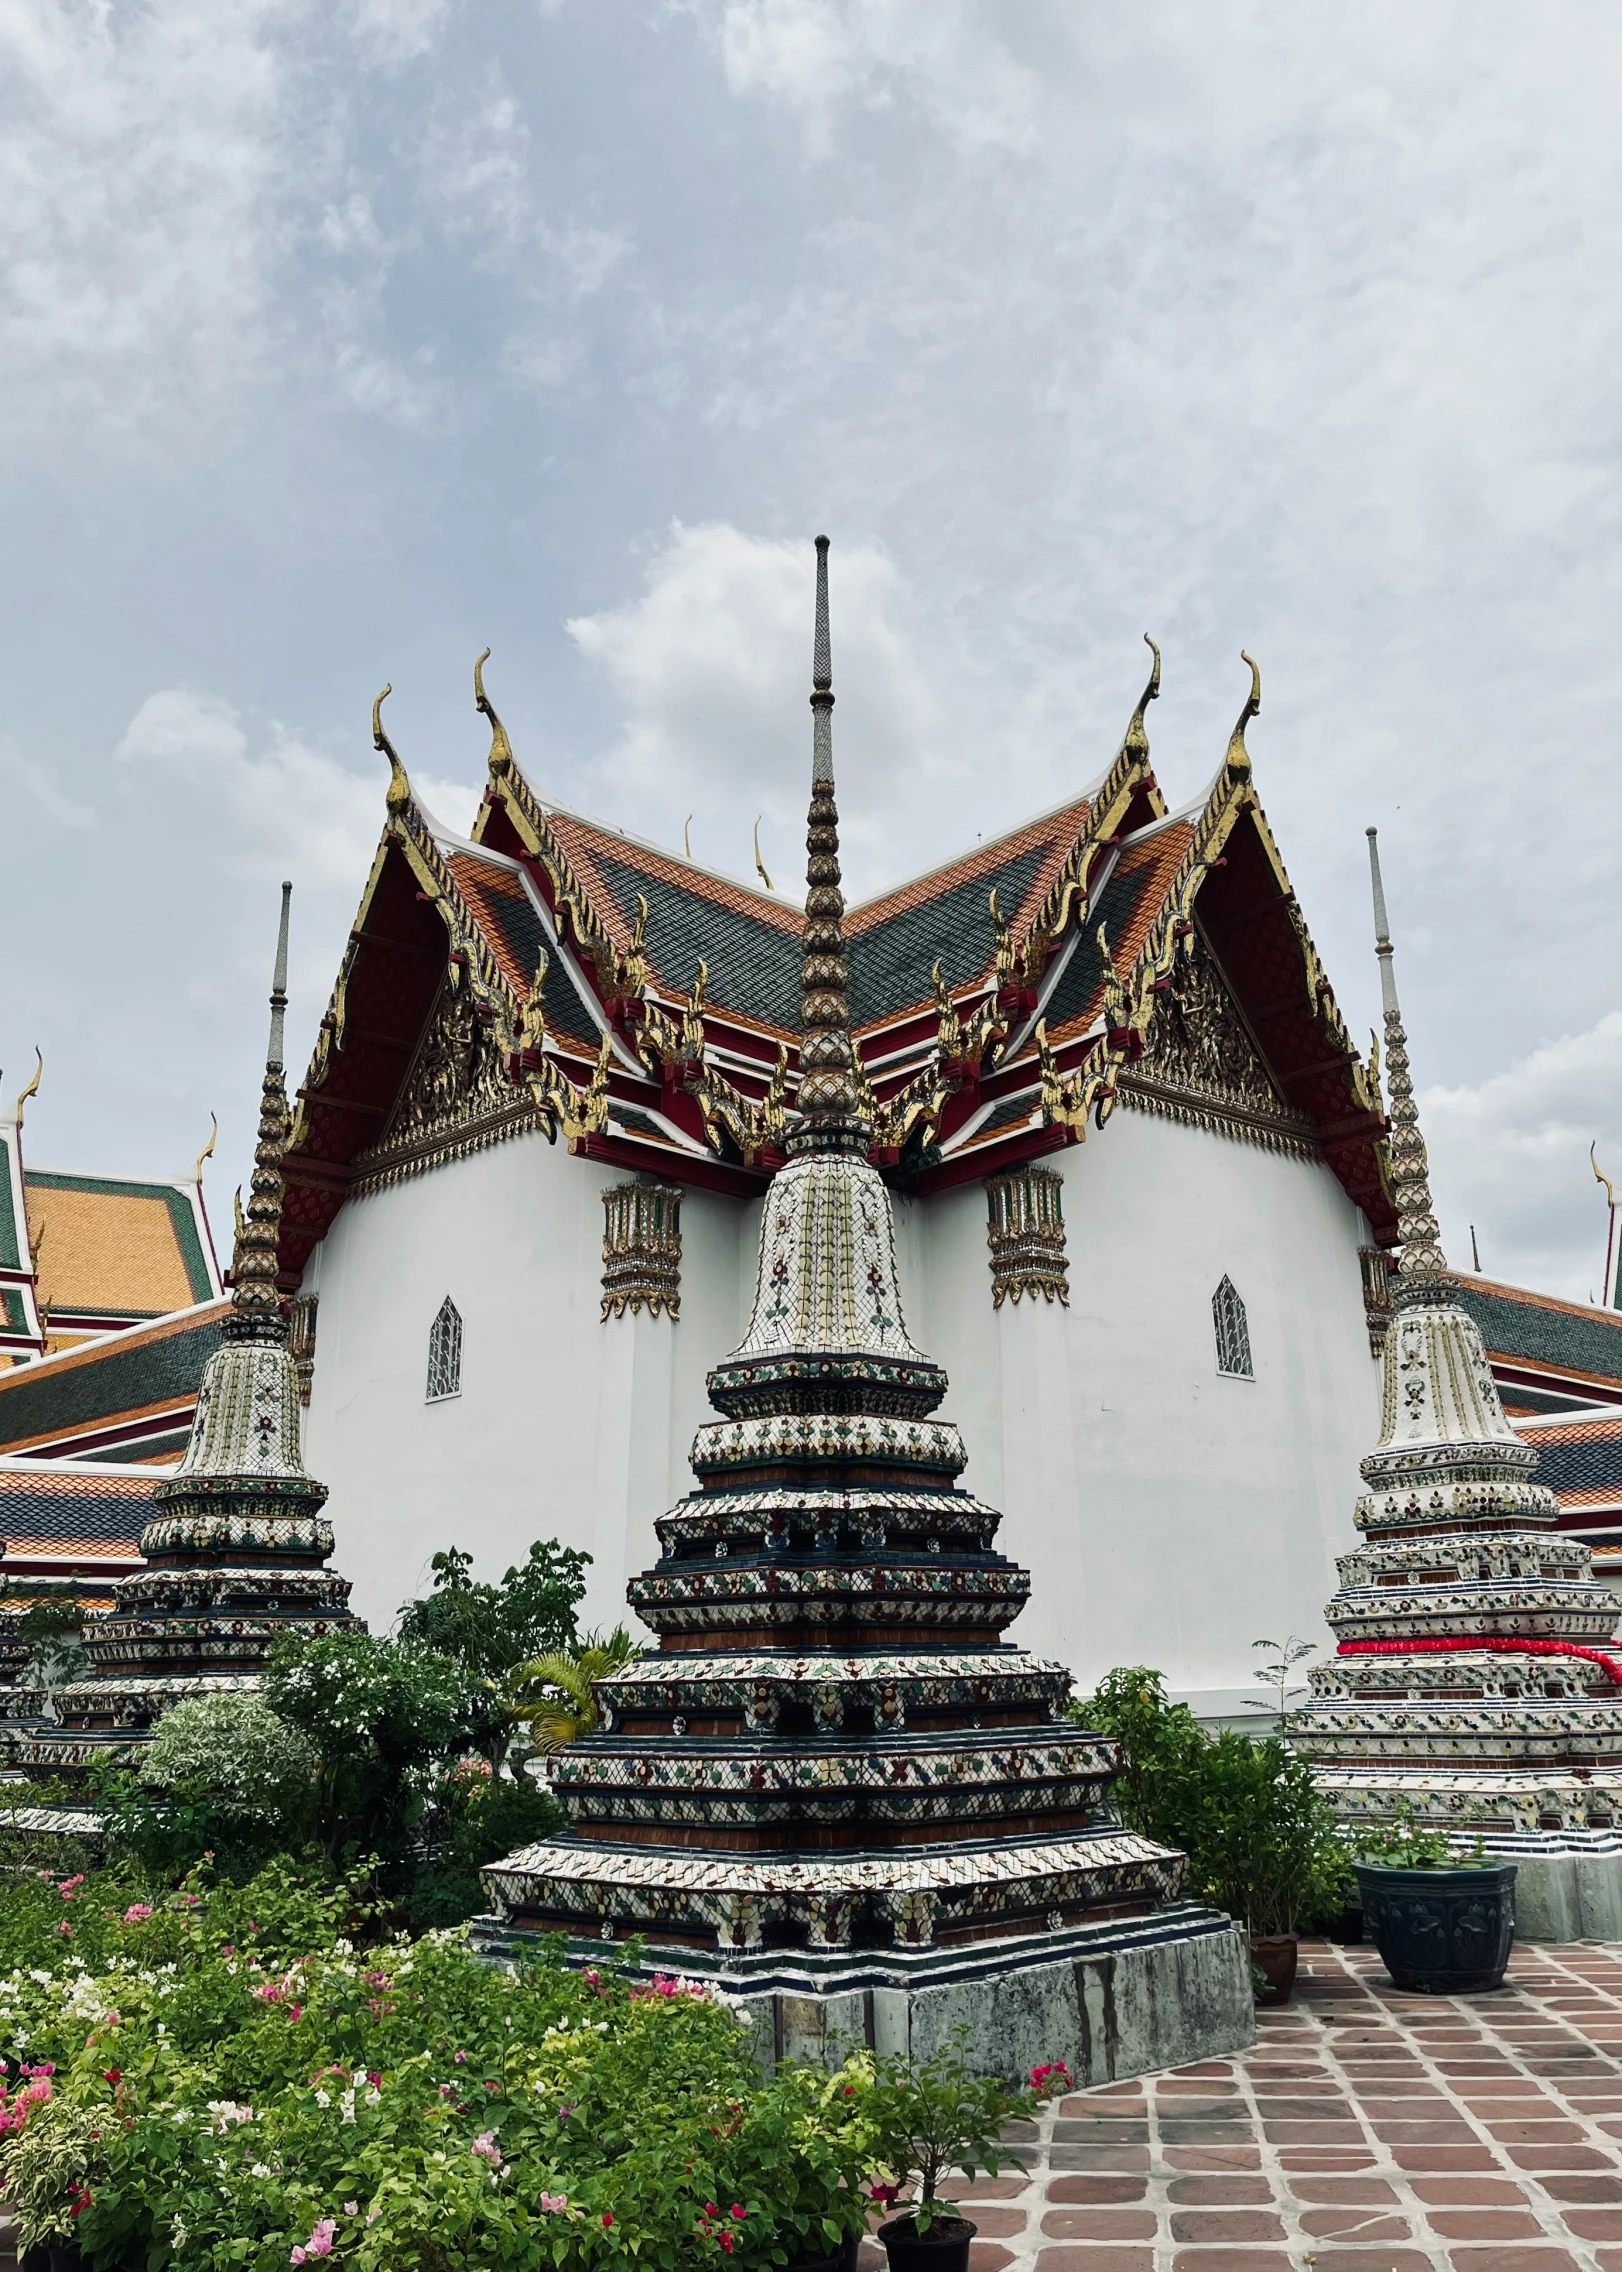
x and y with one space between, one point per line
235 1546
1133 1157
832 1784
1472 1681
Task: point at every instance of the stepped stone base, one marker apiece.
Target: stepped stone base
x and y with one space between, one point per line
1124 1997
1571 1895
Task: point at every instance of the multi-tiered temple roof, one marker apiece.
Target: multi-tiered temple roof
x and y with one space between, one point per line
1472 1677
548 973
832 1746
236 1546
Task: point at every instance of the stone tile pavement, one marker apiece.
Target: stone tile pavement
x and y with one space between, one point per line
1368 2131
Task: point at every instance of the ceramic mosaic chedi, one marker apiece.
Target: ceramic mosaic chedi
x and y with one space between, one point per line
237 1546
1472 1678
832 1747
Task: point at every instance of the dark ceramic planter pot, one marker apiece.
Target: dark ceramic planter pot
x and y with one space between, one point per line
1275 1956
55 2257
934 2251
1441 1932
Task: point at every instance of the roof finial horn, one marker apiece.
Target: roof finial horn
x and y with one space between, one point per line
1137 739
501 749
399 790
1238 758
32 1089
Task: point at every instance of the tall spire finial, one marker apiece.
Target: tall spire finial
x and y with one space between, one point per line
831 1118
1424 1266
256 1262
822 678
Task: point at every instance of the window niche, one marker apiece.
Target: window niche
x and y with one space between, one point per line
445 1353
1232 1332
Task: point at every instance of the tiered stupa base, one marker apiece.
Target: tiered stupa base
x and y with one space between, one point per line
1117 1996
1473 1688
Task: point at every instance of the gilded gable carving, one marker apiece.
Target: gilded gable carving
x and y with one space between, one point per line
1201 1065
457 1098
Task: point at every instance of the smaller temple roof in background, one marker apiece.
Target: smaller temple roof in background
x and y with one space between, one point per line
58 1520
1547 1355
1580 1459
110 1251
125 1396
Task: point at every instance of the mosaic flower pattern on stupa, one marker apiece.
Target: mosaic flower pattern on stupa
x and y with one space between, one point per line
826 1277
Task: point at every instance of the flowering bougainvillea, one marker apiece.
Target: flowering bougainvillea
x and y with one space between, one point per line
241 2079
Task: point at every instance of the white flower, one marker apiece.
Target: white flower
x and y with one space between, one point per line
321 2099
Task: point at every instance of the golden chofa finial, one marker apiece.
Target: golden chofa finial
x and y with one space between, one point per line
207 1152
399 791
760 865
1238 758
1137 738
1600 1175
501 749
32 1089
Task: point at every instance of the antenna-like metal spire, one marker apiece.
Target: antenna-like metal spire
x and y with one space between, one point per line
1424 1266
829 1100
278 989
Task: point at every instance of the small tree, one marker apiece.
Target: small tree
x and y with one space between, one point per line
381 1715
493 1630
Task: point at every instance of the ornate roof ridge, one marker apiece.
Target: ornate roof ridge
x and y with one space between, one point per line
119 1338
1508 1288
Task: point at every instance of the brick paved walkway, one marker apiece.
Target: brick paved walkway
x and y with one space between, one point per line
1368 2131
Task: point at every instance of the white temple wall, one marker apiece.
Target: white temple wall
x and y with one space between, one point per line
1169 1515
566 1427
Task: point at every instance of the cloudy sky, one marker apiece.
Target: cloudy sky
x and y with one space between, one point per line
338 341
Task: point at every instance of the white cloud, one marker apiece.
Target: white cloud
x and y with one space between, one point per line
1511 1156
291 807
137 148
712 664
39 784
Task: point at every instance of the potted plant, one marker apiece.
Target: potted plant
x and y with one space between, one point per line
931 2118
1443 1921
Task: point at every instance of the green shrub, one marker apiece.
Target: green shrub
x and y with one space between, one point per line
230 2075
1261 1839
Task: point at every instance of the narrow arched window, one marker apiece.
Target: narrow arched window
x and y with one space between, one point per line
1232 1332
445 1353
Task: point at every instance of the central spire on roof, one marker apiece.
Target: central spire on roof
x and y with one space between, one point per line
830 1098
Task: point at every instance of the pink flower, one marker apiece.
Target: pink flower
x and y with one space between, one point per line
460 2058
484 2145
554 2203
351 2208
319 2243
70 1886
137 1913
66 1930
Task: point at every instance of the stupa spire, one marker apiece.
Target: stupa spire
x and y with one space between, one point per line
1423 1262
829 1101
255 1263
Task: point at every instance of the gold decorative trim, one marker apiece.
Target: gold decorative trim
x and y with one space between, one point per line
642 1249
1025 1232
1220 1119
519 1119
301 1341
1376 1265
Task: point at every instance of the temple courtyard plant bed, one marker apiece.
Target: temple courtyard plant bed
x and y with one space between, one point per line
229 2077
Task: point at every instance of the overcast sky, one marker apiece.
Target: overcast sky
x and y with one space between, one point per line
338 341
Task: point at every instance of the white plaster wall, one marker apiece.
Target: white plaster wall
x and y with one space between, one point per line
567 1427
1169 1516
